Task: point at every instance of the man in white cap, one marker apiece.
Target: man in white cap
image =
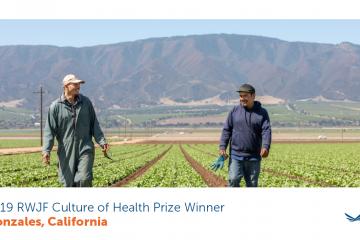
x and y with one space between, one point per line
72 120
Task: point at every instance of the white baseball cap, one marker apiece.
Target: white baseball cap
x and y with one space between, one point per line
71 78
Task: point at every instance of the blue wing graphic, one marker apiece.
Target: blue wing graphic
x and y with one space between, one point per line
352 219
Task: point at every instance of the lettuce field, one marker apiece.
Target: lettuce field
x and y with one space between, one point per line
188 165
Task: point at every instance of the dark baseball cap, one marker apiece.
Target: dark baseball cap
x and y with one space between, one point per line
246 88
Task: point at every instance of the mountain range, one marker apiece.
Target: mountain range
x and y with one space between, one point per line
182 68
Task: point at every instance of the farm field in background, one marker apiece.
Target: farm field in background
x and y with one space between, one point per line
17 138
307 113
18 143
187 165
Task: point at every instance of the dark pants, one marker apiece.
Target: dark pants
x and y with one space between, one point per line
250 170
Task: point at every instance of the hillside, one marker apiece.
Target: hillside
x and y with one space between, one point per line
182 69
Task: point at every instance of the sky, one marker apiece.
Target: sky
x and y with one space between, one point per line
80 33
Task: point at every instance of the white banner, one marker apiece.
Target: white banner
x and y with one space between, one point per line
160 213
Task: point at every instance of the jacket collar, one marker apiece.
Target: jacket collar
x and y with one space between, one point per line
62 99
256 106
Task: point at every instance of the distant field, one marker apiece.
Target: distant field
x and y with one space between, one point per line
301 120
17 117
156 115
18 143
13 132
315 113
291 114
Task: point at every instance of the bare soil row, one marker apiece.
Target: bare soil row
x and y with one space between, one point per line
140 171
209 178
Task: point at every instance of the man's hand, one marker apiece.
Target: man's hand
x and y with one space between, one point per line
46 158
105 148
222 152
264 153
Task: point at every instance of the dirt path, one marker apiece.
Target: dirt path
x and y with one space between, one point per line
140 171
11 151
209 178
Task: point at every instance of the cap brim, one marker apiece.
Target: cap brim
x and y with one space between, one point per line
74 81
244 91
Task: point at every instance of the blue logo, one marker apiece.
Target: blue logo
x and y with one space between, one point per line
352 219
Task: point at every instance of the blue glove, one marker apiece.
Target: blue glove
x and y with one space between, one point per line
219 163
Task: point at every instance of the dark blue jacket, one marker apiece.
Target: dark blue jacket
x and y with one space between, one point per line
249 131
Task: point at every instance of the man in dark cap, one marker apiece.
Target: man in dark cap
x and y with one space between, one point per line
248 130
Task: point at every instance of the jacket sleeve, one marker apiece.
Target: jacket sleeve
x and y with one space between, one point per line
96 130
266 131
226 132
50 130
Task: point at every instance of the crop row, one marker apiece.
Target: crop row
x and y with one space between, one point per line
171 171
114 171
27 170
